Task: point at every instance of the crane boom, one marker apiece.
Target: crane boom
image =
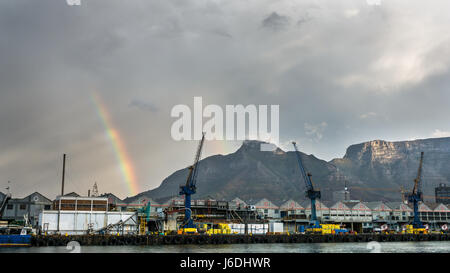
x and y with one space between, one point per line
5 201
193 177
416 195
417 182
190 188
306 176
3 204
311 193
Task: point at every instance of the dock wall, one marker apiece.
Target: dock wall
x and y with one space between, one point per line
111 240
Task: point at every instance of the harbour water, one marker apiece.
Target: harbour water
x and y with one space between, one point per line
382 247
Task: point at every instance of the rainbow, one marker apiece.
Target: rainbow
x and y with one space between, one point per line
125 164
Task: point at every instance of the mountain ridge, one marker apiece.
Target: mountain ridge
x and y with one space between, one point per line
250 173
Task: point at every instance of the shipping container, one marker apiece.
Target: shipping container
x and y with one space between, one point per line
276 227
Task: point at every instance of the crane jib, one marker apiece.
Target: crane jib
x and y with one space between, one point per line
310 192
306 176
197 158
190 188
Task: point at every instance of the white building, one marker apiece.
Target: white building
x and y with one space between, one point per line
400 211
267 209
380 211
292 209
339 212
322 210
238 203
75 222
28 207
360 212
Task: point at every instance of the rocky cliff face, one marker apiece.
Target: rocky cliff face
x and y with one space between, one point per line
388 166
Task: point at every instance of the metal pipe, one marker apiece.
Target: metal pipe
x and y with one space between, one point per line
62 189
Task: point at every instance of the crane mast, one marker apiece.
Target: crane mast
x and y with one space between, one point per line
5 202
311 193
190 188
416 195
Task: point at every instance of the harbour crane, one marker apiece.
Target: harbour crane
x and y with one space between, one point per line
4 202
188 189
311 193
144 216
416 196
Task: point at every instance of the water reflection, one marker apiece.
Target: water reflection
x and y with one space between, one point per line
384 247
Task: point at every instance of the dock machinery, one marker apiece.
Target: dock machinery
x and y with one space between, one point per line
144 217
187 190
311 193
415 197
4 202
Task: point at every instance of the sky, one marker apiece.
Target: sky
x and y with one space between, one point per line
98 81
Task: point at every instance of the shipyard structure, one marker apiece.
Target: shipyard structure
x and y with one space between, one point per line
106 214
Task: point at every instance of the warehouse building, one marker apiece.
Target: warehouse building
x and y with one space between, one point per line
26 209
291 209
267 209
401 212
322 211
73 214
434 213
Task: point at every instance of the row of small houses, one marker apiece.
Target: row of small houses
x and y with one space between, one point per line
341 211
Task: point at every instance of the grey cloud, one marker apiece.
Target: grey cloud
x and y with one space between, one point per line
222 33
156 54
275 21
146 106
305 18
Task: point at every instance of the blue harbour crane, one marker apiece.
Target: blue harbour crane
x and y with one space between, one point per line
190 188
416 196
311 193
4 202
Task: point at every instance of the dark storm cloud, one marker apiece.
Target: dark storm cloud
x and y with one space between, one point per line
342 72
222 33
146 106
275 21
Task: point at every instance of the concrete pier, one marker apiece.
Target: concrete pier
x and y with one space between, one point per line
111 240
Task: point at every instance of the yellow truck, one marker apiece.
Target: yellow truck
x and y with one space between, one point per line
411 230
220 228
327 229
187 231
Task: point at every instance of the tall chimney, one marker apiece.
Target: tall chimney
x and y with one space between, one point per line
63 174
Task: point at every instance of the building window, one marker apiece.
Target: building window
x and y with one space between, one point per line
266 211
9 206
23 207
47 207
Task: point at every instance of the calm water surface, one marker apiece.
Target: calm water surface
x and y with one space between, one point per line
383 247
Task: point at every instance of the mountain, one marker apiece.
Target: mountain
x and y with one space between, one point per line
384 166
250 173
373 170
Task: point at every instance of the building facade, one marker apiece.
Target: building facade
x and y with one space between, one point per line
26 209
267 209
292 210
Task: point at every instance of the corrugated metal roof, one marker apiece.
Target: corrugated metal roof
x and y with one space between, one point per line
289 204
